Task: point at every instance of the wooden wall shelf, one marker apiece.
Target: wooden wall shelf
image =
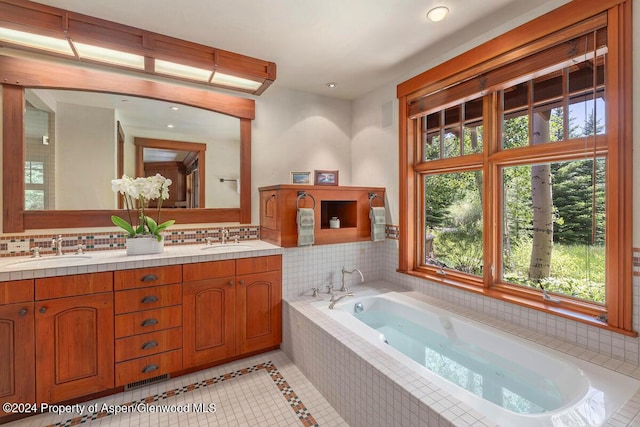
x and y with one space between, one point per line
350 204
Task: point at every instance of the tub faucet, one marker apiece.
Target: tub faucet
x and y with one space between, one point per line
335 300
344 286
56 245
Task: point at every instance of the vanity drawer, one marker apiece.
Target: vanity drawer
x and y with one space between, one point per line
147 298
145 277
259 264
148 344
148 367
73 285
142 322
16 291
209 270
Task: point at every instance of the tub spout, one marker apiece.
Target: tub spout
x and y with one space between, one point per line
335 300
344 286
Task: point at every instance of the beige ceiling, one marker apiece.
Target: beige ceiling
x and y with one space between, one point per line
359 44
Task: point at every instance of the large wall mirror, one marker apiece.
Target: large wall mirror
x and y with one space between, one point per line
68 131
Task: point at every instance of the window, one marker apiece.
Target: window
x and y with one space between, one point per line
516 168
39 162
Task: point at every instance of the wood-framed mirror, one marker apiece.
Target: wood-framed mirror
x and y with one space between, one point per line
19 74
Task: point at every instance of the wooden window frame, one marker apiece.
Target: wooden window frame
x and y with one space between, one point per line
524 41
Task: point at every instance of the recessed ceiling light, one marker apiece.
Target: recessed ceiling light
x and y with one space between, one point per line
331 85
170 126
438 13
174 108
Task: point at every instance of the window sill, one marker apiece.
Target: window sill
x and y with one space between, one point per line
530 300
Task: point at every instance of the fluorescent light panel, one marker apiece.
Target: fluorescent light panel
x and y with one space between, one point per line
36 41
115 57
184 71
233 81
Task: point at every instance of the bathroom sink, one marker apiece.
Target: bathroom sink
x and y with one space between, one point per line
51 261
227 247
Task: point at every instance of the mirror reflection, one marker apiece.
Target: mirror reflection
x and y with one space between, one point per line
77 142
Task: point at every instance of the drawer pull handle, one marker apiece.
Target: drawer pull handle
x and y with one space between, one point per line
149 278
241 282
150 322
149 368
149 298
23 311
43 310
149 344
230 283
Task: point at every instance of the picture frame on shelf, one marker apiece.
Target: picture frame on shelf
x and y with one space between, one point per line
302 178
325 177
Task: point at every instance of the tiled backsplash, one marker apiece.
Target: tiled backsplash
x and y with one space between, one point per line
115 240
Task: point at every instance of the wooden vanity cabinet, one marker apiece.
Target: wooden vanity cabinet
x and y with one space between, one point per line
148 323
231 307
17 361
278 211
258 303
74 336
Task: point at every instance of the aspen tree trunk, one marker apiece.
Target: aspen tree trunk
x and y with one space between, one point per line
541 196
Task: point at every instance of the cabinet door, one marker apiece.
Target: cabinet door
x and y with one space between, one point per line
208 321
17 363
74 347
259 311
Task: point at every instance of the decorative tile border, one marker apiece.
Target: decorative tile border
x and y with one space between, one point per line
115 240
304 415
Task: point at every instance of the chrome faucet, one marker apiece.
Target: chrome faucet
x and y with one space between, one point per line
56 245
335 300
224 235
344 286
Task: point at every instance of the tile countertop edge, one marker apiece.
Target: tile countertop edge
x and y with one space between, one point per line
112 260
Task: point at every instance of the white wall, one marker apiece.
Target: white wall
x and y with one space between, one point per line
298 131
83 175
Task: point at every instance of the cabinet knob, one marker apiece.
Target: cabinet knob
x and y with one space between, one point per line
149 298
43 310
230 283
23 311
149 278
149 344
149 368
149 322
241 282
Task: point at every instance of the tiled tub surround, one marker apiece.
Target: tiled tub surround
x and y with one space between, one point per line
318 266
102 241
370 388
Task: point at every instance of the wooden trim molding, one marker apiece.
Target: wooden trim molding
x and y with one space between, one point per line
566 22
19 73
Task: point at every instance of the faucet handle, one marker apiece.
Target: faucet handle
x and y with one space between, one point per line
80 249
315 292
36 251
330 289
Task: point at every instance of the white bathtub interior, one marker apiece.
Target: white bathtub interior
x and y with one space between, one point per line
536 385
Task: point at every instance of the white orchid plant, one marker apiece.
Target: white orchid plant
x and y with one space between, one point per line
137 194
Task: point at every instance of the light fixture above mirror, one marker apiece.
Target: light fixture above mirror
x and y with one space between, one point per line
64 34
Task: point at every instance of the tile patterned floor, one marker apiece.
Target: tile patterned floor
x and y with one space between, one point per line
264 390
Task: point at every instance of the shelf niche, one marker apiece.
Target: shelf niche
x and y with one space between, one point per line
345 210
278 209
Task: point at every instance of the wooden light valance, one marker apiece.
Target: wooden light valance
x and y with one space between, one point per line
218 68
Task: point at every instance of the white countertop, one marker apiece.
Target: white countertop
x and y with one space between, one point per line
18 268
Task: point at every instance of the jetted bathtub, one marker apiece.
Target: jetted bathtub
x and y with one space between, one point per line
511 381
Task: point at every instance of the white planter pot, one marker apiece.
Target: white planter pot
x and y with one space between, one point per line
144 245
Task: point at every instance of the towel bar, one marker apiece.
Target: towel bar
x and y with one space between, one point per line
302 195
373 196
